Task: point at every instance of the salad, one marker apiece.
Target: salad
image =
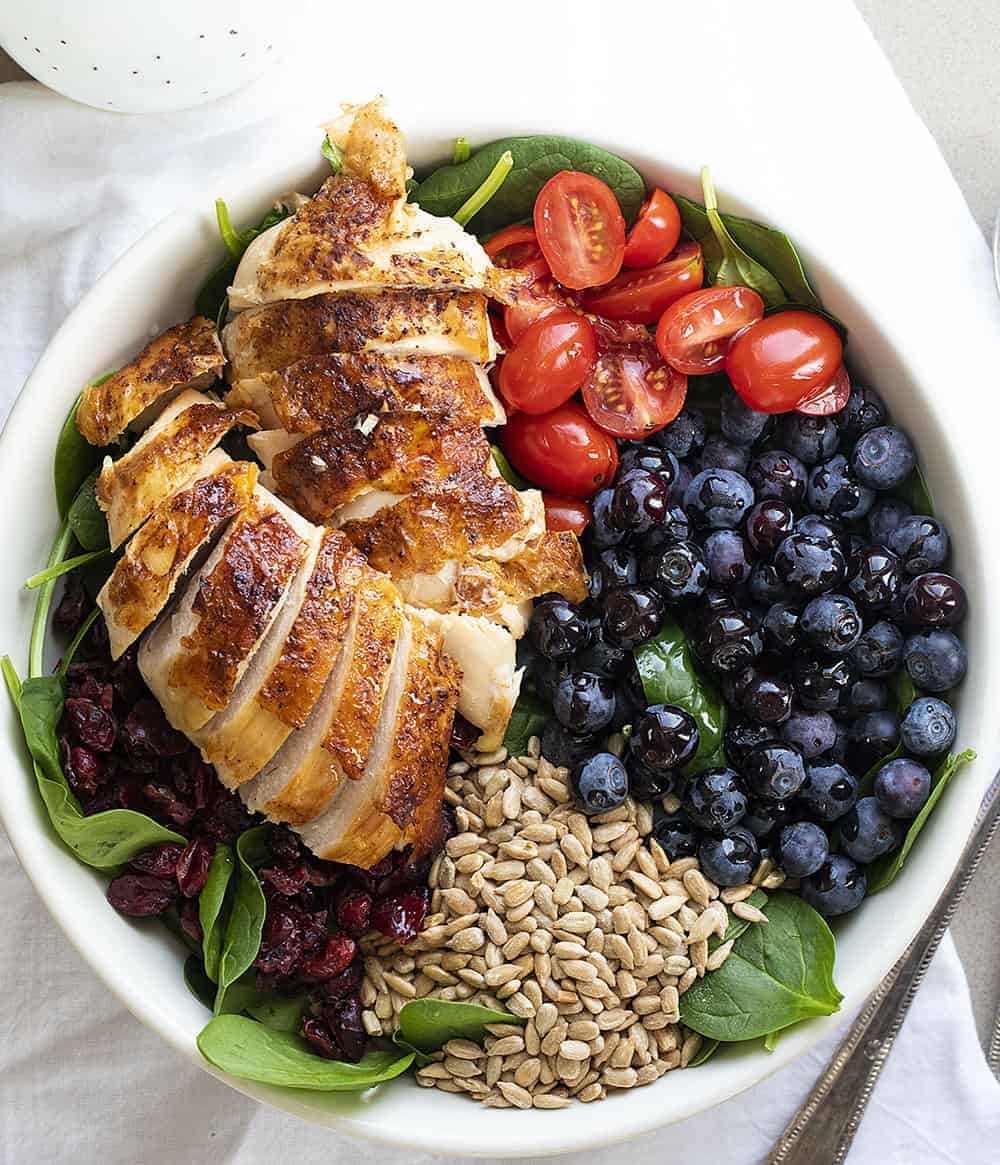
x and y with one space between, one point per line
731 709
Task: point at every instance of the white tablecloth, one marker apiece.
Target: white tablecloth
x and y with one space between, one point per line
80 1080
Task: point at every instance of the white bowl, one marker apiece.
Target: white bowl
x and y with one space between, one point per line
892 346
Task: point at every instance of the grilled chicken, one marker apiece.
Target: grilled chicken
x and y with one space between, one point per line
179 529
187 355
165 458
327 391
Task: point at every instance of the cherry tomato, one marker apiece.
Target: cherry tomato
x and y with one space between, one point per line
643 296
562 451
631 393
580 229
617 333
513 247
538 296
693 334
784 359
565 514
655 233
828 400
549 362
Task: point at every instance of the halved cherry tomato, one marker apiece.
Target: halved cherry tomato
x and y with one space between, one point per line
562 451
538 295
643 296
632 393
616 333
549 362
513 247
783 360
655 233
693 334
565 514
828 400
580 229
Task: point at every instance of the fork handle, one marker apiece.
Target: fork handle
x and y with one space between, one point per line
824 1127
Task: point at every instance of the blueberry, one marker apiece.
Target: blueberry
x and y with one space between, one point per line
715 799
873 736
640 502
885 518
602 529
683 480
837 887
561 747
664 737
874 578
828 792
766 586
921 542
742 736
729 860
647 457
599 783
810 564
802 848
685 434
838 754
781 627
677 570
718 498
740 423
606 659
867 832
613 567
879 651
777 474
812 733
631 615
821 526
630 698
764 817
644 784
767 524
934 600
863 696
834 489
830 624
675 527
557 630
929 727
727 555
584 702
883 458
676 835
725 639
767 699
719 453
820 683
810 439
864 410
775 771
902 787
935 660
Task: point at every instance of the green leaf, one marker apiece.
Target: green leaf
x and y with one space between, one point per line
247 1049
462 151
668 676
247 910
75 458
86 518
213 293
40 619
535 160
916 491
233 242
771 1041
333 154
529 717
904 691
776 975
883 872
486 190
705 1052
197 982
735 267
738 926
507 471
280 1013
68 564
426 1024
74 643
210 904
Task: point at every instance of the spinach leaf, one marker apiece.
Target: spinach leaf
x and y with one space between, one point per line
462 151
213 295
771 1041
75 458
281 1013
210 903
486 190
247 909
882 873
536 159
333 154
916 491
507 471
529 717
776 975
738 925
74 643
668 676
706 1052
105 840
247 1049
426 1024
197 982
227 232
735 268
51 573
904 691
86 518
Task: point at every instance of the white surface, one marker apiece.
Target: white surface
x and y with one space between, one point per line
65 265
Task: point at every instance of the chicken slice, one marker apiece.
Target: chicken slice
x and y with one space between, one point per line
179 529
194 658
164 459
398 797
187 355
324 391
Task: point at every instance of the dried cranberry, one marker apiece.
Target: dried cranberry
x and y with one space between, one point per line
285 847
225 817
281 944
314 929
91 724
84 768
141 895
193 779
192 867
166 805
336 956
354 912
463 734
159 860
128 683
320 1037
348 1029
401 915
95 644
73 606
288 881
341 986
322 873
147 732
190 921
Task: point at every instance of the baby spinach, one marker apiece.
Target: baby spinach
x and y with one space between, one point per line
212 296
333 154
462 151
50 573
535 160
705 1052
247 1049
197 982
776 975
507 471
74 643
916 491
529 717
737 926
668 676
75 458
281 1013
210 904
247 908
86 518
486 190
426 1024
883 871
230 237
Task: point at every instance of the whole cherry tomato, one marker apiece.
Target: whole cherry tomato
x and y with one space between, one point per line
693 334
513 247
643 296
562 451
580 229
549 362
782 360
655 233
827 401
565 514
630 392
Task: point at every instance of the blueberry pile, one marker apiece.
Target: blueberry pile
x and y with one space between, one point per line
812 597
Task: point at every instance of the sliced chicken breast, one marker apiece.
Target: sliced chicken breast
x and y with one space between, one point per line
164 459
180 529
187 355
194 658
